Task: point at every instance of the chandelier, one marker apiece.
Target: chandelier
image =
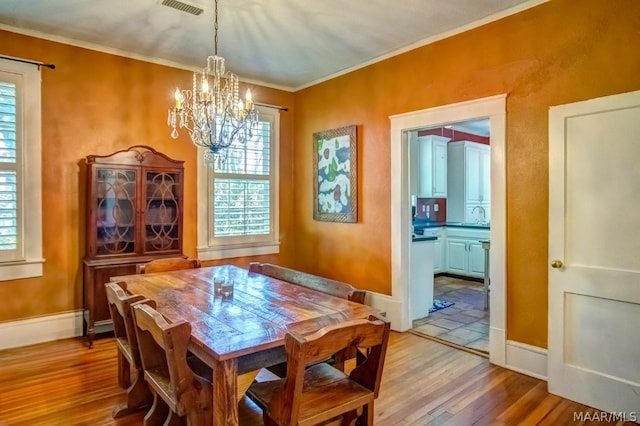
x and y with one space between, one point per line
212 112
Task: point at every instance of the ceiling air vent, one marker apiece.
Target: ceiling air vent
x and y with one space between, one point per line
184 7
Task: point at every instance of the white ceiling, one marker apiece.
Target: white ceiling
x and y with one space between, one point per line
288 44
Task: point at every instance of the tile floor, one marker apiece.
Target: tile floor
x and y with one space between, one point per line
466 323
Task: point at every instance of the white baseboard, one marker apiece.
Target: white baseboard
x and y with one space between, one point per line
30 331
527 359
392 307
516 356
497 346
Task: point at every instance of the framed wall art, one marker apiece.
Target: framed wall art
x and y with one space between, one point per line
335 171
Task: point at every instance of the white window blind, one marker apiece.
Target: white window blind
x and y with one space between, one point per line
241 188
8 169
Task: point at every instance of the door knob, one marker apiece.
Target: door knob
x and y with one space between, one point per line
556 264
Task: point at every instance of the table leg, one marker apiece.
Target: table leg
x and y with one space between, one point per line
225 385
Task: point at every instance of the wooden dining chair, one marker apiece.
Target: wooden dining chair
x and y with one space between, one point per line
315 282
168 264
178 393
138 394
314 392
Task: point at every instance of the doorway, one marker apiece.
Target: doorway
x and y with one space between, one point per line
450 174
492 108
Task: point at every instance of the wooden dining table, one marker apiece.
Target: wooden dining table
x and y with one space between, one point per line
242 331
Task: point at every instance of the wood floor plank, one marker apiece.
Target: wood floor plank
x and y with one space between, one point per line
425 383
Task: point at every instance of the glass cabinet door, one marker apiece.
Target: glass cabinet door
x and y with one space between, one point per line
116 211
162 212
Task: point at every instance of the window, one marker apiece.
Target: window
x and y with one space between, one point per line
20 171
8 172
241 208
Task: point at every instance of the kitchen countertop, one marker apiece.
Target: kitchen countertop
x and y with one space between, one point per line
424 224
416 238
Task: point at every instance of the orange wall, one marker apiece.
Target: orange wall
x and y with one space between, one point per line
559 52
96 103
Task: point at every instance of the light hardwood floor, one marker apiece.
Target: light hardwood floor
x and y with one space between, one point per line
424 383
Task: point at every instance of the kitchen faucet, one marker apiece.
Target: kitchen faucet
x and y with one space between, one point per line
482 211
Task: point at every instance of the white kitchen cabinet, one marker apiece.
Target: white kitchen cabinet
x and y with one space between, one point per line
432 168
421 270
468 182
464 252
438 247
457 257
476 259
437 256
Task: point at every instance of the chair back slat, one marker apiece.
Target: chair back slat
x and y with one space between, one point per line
150 336
120 307
319 346
324 285
168 264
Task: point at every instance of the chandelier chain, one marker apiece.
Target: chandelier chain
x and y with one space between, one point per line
215 30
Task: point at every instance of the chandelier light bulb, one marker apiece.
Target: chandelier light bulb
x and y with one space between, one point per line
179 99
248 99
205 84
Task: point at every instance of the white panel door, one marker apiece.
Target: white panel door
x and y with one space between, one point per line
594 253
421 278
456 256
476 259
473 163
440 168
437 256
485 175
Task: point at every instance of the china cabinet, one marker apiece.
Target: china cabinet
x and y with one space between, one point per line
134 215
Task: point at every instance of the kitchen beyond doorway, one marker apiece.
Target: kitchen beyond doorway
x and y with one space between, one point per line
464 324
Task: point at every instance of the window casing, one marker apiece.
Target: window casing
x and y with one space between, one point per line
20 171
238 201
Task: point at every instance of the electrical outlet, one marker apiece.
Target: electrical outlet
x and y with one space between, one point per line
436 207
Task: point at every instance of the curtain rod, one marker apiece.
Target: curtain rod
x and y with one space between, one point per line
52 66
271 106
27 61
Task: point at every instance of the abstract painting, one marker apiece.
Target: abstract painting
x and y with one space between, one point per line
335 187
